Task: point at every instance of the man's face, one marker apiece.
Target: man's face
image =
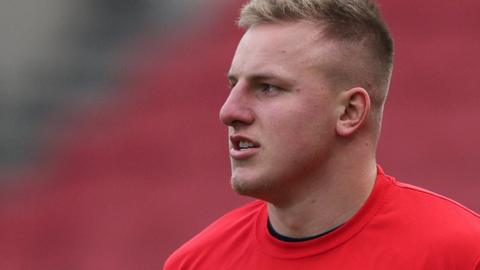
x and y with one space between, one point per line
281 111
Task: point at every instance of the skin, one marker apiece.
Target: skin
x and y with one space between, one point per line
315 143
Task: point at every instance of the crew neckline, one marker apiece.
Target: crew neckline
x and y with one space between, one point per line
284 238
293 250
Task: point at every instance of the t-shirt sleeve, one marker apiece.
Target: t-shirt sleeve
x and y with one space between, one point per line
177 261
168 265
173 263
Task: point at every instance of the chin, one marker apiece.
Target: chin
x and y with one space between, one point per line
252 187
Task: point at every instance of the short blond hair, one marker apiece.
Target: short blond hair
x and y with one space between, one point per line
349 21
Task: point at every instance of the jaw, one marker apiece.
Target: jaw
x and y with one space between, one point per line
257 181
247 179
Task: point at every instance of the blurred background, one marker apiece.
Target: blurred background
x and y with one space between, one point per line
111 151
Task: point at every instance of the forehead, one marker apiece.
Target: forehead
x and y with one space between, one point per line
279 48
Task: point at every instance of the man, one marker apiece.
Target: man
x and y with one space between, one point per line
308 84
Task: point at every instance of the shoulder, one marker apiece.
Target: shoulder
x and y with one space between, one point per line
430 205
236 224
436 222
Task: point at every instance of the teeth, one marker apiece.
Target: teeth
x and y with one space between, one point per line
245 145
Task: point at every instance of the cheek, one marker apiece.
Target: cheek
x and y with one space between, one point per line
312 131
301 122
300 132
311 120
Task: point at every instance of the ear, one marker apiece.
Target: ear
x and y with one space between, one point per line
355 108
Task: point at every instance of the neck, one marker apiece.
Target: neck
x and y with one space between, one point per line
325 202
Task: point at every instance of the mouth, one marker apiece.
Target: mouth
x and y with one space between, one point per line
242 147
241 143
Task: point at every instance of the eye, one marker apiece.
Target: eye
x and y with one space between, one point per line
269 89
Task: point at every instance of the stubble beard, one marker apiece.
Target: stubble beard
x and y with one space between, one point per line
256 188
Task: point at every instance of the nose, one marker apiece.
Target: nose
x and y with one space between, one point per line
237 110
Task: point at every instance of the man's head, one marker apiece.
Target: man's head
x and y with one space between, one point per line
308 78
355 25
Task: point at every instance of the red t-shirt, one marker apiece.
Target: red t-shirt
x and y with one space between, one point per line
399 227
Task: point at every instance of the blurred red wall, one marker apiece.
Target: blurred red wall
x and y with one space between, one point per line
131 179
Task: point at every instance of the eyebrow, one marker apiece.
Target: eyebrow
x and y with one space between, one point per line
257 77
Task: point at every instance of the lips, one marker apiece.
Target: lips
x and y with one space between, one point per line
242 147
